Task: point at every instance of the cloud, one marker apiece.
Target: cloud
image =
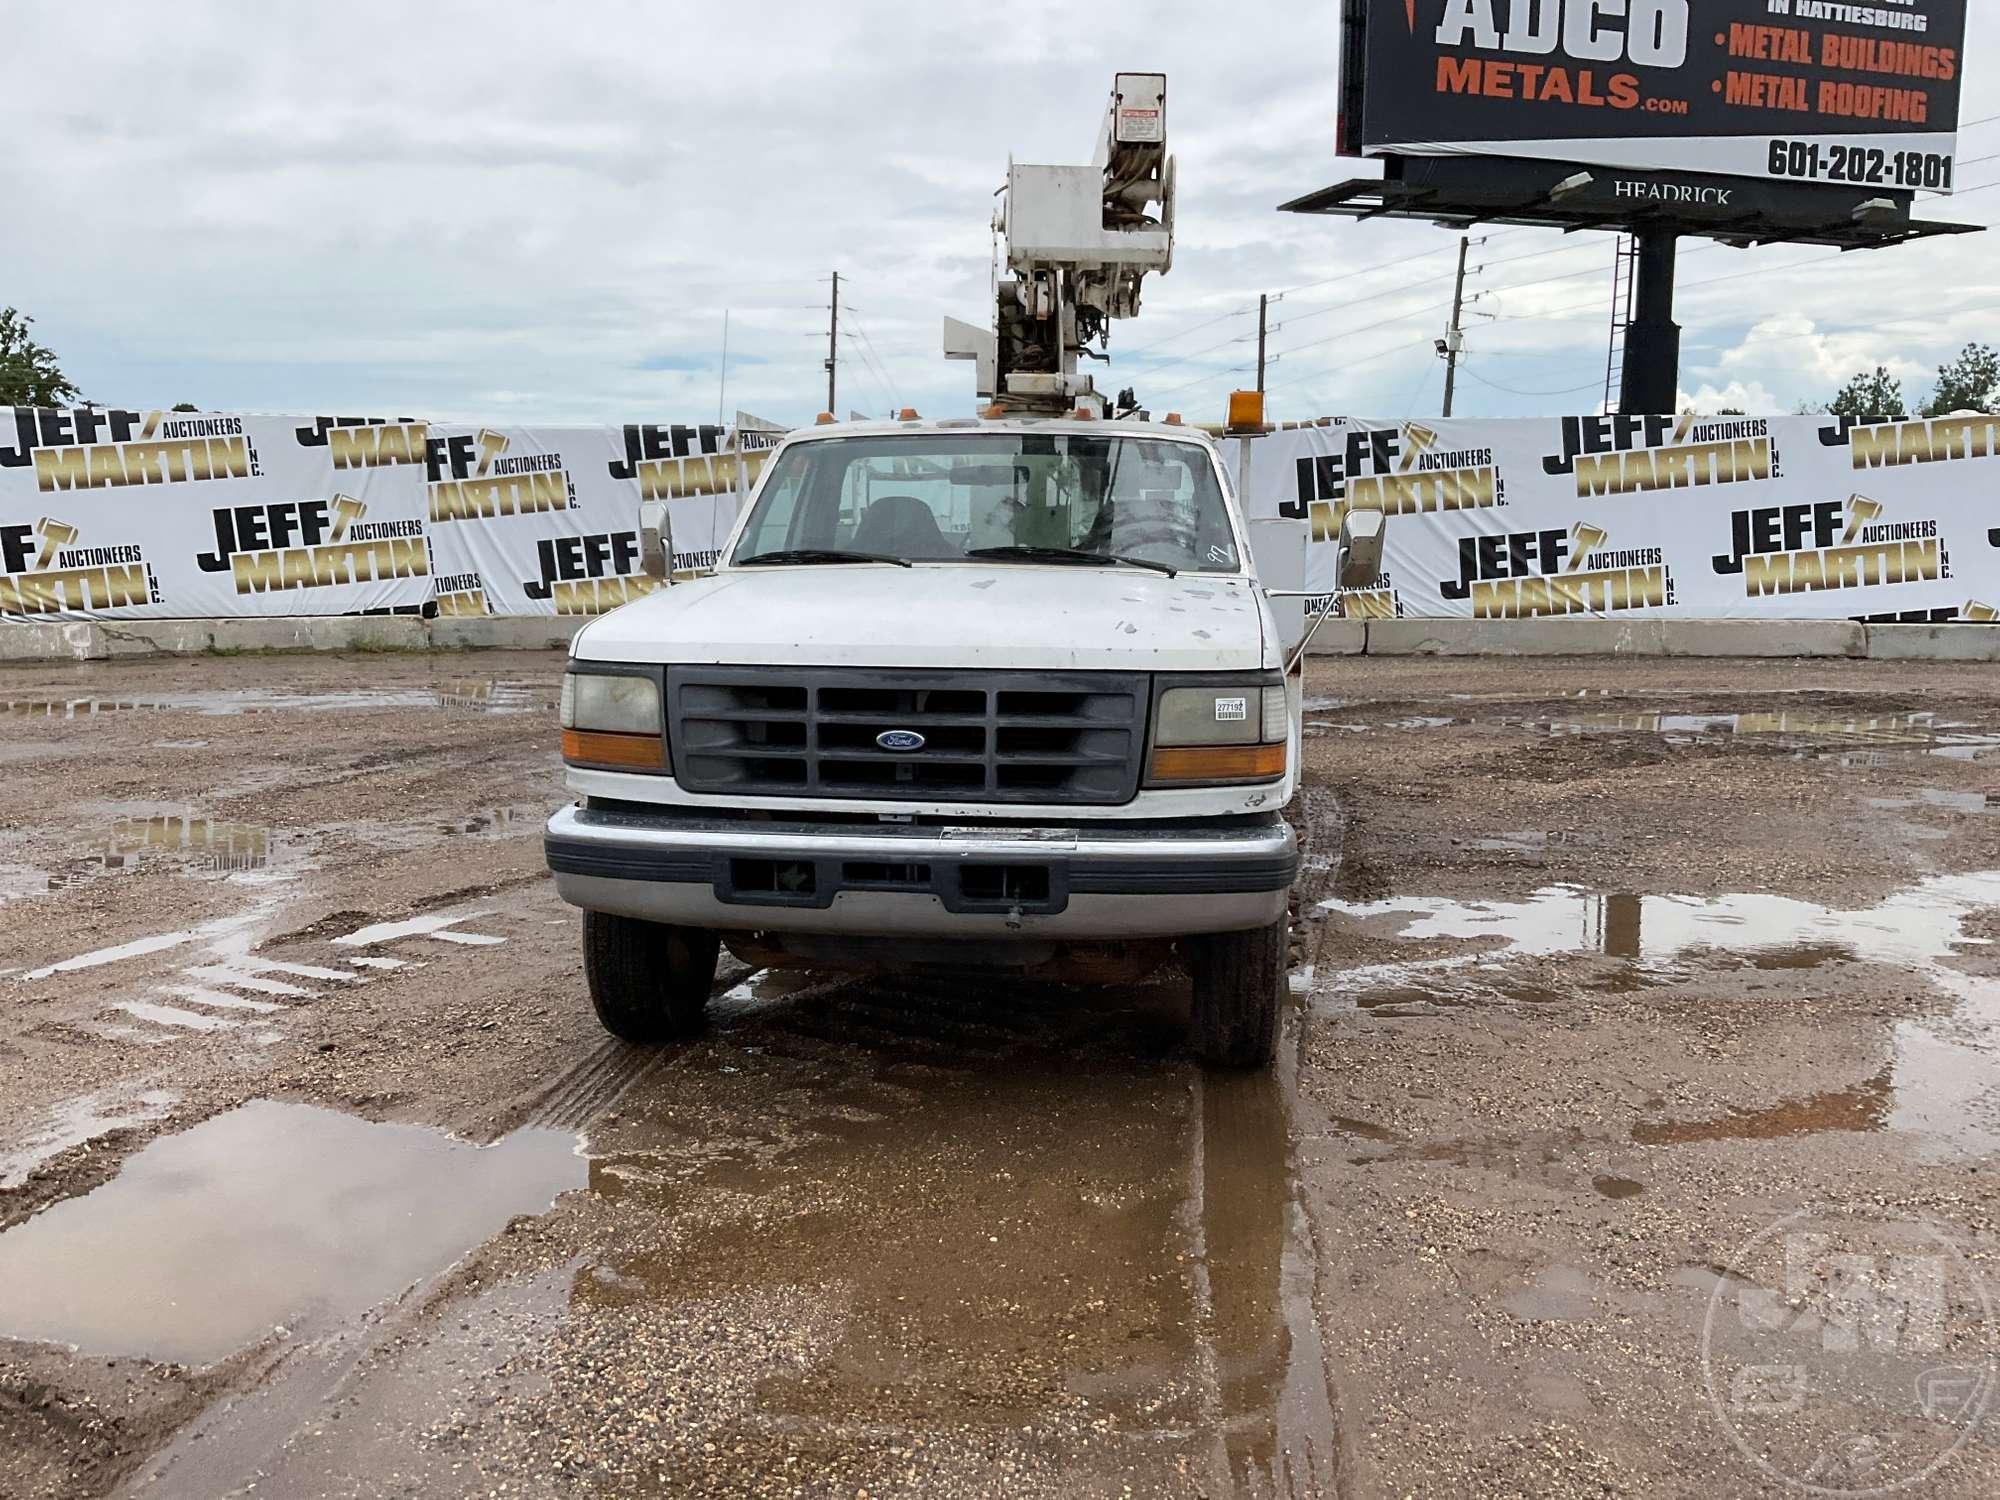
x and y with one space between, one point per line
447 209
1738 395
1829 355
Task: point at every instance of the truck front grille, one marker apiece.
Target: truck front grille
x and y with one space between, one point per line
987 736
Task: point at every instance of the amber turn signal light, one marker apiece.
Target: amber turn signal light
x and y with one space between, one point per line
1246 411
1195 763
618 752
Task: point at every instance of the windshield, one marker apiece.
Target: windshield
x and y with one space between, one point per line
951 496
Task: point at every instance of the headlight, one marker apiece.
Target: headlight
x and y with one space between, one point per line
611 720
1219 734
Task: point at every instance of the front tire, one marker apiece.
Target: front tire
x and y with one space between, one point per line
1239 980
649 982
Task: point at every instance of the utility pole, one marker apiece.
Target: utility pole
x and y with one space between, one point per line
1454 336
722 386
833 352
1263 334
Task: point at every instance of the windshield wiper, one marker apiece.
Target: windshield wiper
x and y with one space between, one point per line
821 555
1073 555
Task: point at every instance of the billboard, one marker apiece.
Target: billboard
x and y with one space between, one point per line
1855 95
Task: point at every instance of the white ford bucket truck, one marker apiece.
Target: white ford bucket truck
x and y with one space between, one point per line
978 694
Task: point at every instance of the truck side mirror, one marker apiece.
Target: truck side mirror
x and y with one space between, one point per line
1279 547
656 541
1358 562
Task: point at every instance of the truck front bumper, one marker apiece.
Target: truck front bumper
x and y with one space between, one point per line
899 880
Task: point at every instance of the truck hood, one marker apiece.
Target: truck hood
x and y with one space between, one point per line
1013 616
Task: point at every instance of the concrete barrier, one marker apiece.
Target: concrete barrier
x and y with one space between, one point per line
1723 638
49 640
1339 638
1934 643
1511 638
156 637
533 633
328 633
75 640
1795 638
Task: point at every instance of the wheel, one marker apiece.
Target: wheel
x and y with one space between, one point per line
649 982
1239 980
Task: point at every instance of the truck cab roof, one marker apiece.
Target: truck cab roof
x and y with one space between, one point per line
1063 426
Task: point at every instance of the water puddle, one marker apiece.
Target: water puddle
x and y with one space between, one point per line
1971 803
273 1215
1853 739
133 836
1916 928
203 843
1408 724
1559 1294
1940 1086
515 820
22 880
468 695
78 1122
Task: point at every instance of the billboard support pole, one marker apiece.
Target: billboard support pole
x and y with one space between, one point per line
1653 339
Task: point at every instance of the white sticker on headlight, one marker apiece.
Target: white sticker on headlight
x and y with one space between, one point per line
1231 710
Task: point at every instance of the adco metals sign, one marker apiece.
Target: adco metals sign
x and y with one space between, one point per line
1861 95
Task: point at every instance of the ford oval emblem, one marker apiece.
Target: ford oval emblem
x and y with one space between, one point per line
901 740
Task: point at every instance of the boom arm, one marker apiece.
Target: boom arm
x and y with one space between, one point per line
1079 244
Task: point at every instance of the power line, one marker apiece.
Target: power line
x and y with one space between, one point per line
1351 364
1188 359
1153 398
1386 265
1348 333
868 369
871 361
1338 306
1343 306
1195 328
1510 390
881 365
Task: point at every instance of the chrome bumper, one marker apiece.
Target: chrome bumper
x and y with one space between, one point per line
898 880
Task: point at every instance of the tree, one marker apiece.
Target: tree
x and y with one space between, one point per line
1871 395
185 406
28 372
1971 382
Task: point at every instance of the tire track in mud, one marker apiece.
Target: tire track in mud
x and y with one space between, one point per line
597 1081
1321 824
594 1085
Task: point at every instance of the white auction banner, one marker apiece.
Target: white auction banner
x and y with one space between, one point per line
545 520
1807 517
109 513
163 514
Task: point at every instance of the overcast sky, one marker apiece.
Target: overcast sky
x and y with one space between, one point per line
529 212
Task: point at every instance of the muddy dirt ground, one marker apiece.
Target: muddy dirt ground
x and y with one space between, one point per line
317 1175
